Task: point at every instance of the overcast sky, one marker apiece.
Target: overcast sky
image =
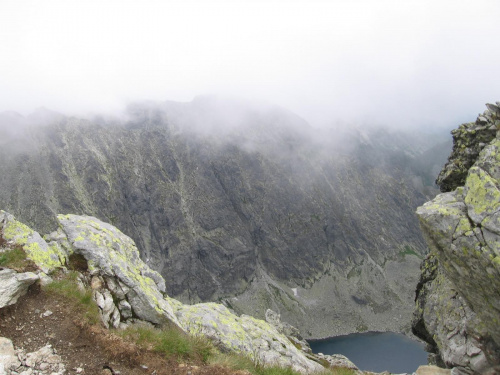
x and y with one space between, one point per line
397 62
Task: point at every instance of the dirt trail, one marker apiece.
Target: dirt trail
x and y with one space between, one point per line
39 319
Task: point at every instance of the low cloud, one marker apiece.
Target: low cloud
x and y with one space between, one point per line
412 63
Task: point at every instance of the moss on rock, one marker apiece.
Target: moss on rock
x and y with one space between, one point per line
46 257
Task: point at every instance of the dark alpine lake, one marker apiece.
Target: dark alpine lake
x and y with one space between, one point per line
376 351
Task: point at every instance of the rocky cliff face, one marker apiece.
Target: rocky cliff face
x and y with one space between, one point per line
242 205
458 297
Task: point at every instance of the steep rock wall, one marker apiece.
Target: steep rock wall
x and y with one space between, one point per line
458 297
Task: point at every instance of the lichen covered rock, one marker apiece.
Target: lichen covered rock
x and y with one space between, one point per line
244 334
126 290
46 257
468 141
113 255
458 298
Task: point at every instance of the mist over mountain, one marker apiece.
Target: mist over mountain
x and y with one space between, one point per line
240 202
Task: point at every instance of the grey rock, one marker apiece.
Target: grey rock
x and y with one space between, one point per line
13 285
292 333
109 313
42 361
111 254
125 309
44 279
255 338
458 304
493 108
482 119
432 370
8 357
44 354
115 288
339 360
468 141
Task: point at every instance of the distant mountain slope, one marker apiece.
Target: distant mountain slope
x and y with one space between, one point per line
227 199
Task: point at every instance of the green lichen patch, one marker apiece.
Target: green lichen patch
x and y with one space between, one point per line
47 258
482 194
462 228
108 251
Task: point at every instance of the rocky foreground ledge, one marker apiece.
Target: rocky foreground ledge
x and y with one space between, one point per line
458 297
128 291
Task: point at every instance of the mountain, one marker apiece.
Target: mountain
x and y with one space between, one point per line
240 203
458 296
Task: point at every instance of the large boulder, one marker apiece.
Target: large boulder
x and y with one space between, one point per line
13 285
458 298
113 256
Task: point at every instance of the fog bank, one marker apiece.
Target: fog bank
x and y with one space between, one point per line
412 63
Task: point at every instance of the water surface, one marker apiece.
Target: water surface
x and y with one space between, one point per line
376 351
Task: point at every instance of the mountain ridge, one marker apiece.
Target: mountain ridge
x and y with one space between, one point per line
268 203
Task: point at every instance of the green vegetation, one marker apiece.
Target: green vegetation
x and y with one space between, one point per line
170 341
362 327
340 371
13 258
240 362
78 299
16 259
175 344
409 251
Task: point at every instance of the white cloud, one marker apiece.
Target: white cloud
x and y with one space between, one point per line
397 62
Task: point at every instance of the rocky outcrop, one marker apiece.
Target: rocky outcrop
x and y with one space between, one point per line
244 334
458 298
44 361
126 291
468 141
115 266
232 201
13 285
47 256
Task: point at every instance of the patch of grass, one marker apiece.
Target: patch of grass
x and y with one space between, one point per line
171 342
80 300
233 361
240 362
338 371
409 251
341 371
16 259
